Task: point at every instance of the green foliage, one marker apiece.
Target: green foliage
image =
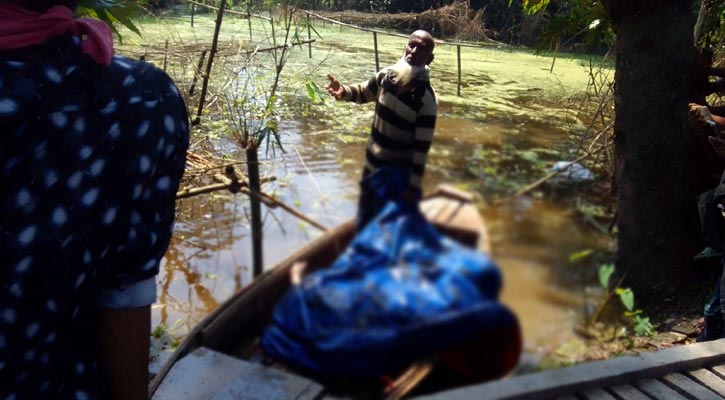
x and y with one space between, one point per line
532 6
571 21
314 92
112 12
640 325
253 100
159 331
605 273
715 36
627 297
580 255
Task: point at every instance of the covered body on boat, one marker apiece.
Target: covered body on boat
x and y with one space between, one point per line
220 358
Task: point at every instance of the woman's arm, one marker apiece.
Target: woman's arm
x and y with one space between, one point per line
123 339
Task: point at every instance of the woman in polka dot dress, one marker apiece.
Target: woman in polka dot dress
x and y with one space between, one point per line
92 147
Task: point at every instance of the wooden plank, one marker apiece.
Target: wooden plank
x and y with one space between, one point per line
605 373
666 339
690 387
659 390
431 208
685 329
597 394
719 370
207 374
629 392
712 381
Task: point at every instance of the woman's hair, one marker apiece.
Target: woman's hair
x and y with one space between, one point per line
42 5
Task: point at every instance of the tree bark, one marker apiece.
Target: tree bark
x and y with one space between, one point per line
706 22
659 170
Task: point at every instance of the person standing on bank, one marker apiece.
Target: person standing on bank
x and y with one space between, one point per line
403 125
92 148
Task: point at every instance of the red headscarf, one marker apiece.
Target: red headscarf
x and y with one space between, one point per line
21 28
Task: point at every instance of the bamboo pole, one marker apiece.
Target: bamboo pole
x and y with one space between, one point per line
226 11
212 52
341 24
437 41
235 187
256 211
249 20
166 54
199 65
458 52
375 44
271 23
556 52
541 181
224 183
191 192
309 35
281 46
292 211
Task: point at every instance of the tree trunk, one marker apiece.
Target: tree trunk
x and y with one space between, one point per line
659 170
706 22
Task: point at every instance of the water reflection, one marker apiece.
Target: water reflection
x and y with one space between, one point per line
210 257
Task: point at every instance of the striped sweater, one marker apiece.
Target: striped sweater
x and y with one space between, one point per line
403 125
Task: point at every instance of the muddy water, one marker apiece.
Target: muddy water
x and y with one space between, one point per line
210 257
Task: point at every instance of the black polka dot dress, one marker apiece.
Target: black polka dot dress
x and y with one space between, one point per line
90 162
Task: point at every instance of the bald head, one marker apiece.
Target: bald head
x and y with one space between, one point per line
425 36
419 50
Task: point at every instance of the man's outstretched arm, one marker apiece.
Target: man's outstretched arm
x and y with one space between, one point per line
358 93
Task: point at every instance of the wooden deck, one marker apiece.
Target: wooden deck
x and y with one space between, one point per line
695 371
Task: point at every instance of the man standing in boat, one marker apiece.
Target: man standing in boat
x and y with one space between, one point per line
405 115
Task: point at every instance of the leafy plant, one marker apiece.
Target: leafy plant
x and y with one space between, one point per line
580 255
112 12
711 21
581 20
641 325
314 92
253 108
532 6
159 331
605 272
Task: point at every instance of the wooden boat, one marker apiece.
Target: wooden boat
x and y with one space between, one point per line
215 361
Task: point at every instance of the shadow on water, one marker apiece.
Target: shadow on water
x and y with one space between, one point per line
210 256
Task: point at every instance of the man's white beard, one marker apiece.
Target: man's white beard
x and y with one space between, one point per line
401 73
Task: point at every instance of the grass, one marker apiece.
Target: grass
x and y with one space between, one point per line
497 82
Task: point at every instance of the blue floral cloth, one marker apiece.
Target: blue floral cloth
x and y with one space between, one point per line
400 291
90 162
